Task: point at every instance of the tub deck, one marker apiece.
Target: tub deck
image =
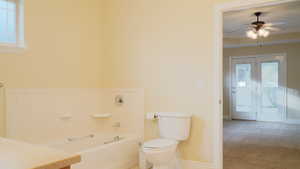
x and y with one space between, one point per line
20 155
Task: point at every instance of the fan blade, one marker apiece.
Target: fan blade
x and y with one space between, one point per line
272 28
237 30
248 26
275 23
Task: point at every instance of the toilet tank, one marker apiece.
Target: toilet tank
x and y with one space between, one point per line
174 125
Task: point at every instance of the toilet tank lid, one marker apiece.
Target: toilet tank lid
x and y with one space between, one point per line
175 114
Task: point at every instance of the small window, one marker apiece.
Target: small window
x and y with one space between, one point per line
11 23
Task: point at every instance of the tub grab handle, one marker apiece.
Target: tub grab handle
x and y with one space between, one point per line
80 138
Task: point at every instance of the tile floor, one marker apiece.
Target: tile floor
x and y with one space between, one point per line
261 145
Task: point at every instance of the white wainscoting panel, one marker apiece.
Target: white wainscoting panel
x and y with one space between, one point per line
44 115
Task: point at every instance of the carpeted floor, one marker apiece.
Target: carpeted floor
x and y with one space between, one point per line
261 145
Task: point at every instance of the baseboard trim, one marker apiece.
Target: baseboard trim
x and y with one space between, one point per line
289 121
188 164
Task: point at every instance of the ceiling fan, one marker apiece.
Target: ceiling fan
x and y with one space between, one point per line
260 28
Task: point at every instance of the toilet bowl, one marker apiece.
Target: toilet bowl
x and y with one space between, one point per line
160 152
173 127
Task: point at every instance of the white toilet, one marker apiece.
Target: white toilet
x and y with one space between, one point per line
173 127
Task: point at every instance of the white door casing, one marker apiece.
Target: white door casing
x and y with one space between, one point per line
217 51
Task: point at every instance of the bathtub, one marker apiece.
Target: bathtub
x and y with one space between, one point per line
102 152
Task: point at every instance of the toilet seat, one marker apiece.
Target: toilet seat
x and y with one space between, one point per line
159 145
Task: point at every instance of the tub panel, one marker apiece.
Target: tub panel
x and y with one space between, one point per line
122 154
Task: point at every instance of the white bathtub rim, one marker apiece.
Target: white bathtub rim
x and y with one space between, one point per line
126 137
104 146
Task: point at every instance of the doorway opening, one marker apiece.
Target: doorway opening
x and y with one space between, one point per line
260 89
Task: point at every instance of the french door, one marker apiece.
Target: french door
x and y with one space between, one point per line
258 88
243 89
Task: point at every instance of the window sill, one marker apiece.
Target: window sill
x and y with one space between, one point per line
9 48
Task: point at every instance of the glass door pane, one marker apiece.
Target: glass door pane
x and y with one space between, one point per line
243 105
243 88
270 92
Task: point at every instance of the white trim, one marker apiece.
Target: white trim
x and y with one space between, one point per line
11 48
230 88
21 24
262 43
188 164
242 4
218 70
218 87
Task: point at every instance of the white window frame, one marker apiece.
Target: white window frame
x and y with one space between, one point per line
20 41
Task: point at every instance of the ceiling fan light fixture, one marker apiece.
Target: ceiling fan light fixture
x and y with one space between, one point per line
266 33
252 34
263 33
259 28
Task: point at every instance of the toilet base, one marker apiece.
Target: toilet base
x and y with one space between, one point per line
174 163
161 167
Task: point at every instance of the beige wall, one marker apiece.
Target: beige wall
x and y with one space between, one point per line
2 114
64 46
166 48
293 81
162 46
